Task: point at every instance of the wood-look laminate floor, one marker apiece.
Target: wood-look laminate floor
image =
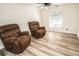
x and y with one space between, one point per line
53 44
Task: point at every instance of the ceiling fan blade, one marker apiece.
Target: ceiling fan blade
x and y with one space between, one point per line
39 6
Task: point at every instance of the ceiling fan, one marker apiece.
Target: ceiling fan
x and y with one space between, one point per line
46 5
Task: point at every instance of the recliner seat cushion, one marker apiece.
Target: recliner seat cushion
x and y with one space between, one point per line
9 40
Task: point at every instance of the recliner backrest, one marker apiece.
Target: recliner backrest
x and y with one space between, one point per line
9 30
33 25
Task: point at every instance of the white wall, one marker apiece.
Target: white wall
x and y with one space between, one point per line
44 18
78 23
70 16
18 13
22 13
78 31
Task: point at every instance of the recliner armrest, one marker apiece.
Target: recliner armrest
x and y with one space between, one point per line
24 33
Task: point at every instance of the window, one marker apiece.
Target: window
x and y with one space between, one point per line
55 20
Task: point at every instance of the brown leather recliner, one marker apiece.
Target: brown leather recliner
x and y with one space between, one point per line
13 39
36 30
